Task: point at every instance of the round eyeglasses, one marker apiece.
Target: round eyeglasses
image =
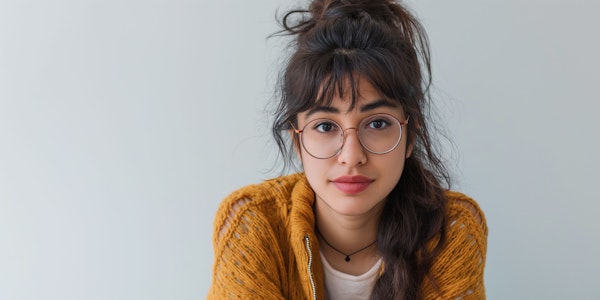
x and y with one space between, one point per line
378 134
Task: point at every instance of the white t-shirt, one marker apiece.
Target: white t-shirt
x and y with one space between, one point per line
342 286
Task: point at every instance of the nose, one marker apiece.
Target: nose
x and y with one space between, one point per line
352 152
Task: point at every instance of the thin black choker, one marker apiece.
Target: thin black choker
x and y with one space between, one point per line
347 259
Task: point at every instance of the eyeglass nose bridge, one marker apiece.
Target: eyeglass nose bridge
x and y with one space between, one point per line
360 141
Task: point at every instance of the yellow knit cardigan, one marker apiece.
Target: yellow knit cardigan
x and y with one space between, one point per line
265 246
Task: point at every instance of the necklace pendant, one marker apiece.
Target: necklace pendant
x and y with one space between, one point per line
347 259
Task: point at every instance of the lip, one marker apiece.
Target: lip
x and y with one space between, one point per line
352 184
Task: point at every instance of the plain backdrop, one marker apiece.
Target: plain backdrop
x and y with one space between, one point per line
124 123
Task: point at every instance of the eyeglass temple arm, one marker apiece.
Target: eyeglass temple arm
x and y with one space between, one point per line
403 122
294 127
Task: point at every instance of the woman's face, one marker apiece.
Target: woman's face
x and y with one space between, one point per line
354 182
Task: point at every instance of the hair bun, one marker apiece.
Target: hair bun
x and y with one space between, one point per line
327 10
388 12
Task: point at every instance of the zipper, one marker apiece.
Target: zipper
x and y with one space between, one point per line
310 274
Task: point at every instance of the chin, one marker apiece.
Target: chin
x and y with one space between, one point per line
353 206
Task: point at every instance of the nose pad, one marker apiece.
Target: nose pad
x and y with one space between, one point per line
352 152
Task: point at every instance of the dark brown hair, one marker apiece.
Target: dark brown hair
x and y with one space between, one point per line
335 43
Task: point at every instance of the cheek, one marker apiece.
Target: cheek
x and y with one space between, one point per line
310 164
315 171
392 164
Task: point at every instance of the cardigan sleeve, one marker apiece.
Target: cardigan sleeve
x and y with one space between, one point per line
458 270
247 263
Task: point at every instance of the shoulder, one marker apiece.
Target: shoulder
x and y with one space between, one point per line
276 191
458 269
260 204
466 227
463 210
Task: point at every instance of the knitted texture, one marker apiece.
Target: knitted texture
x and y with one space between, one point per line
265 246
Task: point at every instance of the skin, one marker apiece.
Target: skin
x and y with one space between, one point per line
349 221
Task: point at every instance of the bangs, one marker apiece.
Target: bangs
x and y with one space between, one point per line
343 84
339 74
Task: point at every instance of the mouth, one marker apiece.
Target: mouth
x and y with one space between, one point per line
352 184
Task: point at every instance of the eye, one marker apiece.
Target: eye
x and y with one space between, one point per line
378 123
324 126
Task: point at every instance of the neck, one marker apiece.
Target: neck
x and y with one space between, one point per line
346 233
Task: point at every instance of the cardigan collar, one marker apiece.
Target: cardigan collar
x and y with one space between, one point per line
302 227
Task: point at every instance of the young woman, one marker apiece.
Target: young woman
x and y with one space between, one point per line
370 216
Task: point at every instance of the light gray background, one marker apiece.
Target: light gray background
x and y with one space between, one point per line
124 123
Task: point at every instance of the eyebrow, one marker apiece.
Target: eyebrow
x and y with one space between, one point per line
377 104
367 107
325 109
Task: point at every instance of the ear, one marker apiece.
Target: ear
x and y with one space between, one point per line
411 143
412 138
409 149
295 143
